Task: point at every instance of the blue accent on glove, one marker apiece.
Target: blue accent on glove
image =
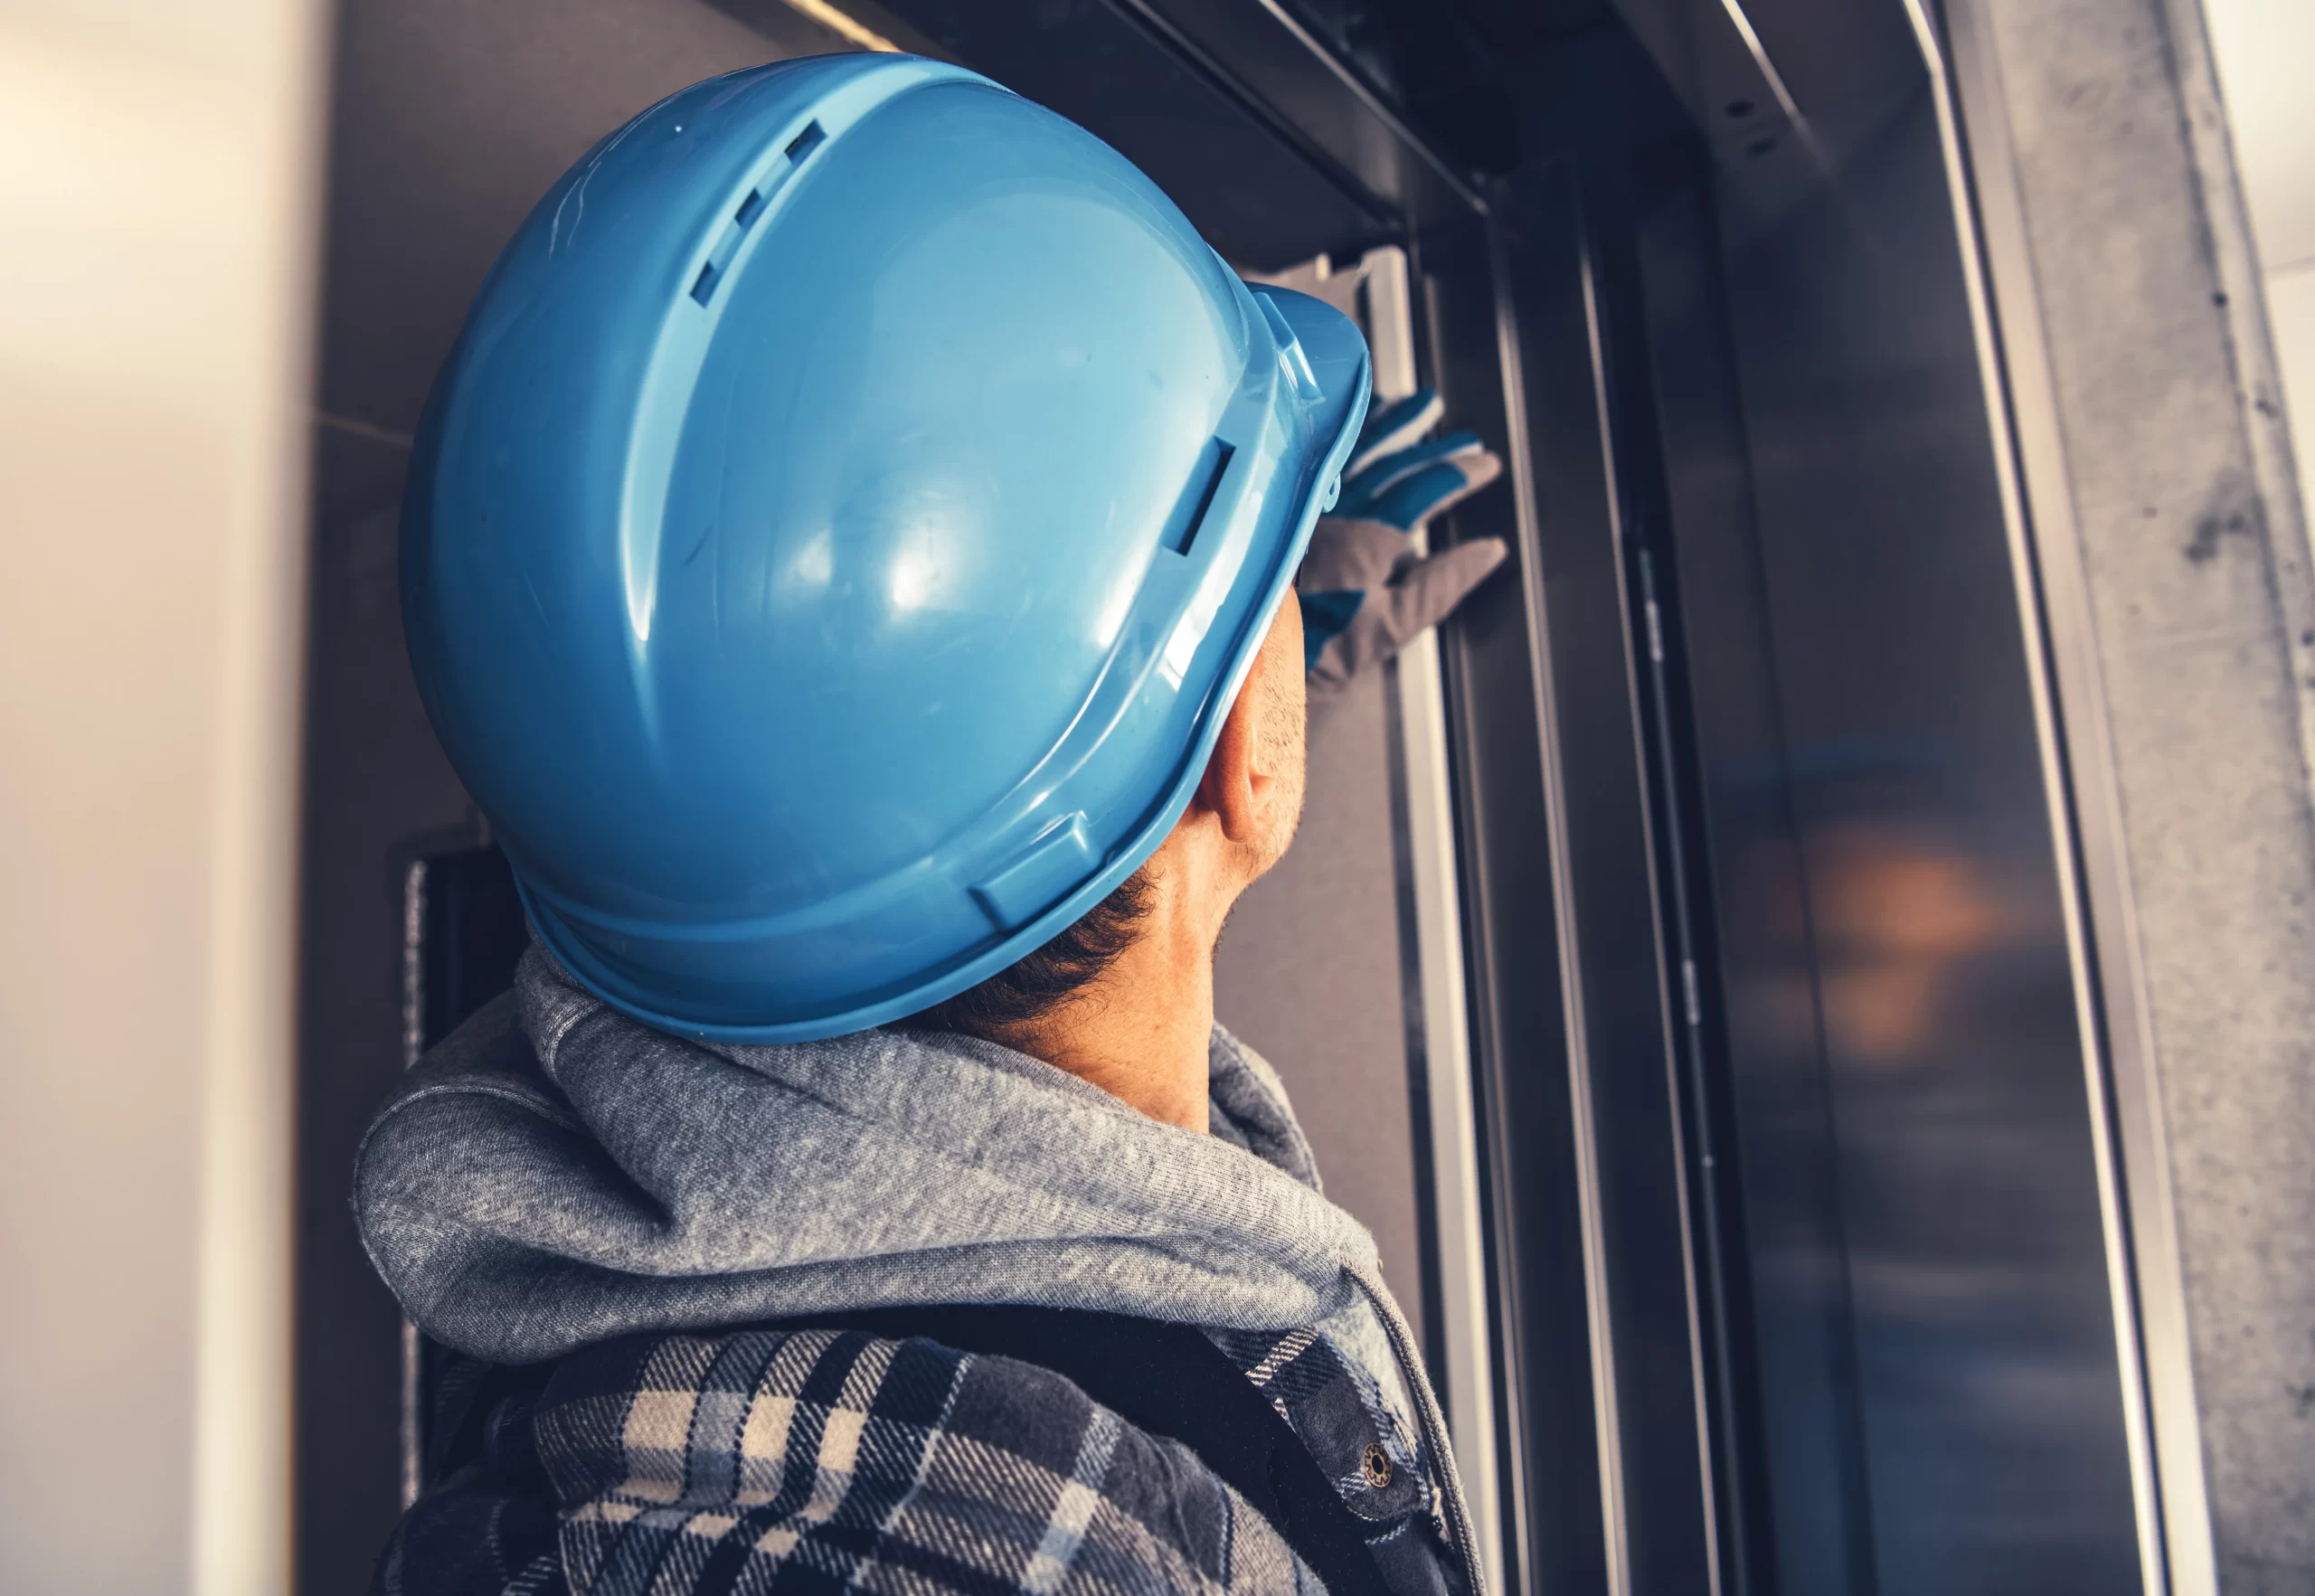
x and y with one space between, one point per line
1396 426
1376 492
1324 616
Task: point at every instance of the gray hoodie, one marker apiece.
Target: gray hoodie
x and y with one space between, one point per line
556 1175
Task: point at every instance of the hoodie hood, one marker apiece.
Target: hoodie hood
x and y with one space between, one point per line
555 1174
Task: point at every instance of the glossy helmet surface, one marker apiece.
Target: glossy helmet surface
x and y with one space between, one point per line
845 521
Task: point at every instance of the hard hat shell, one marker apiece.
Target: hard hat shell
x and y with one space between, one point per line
840 530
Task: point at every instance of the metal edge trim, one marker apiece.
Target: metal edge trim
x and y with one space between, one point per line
1615 1549
1455 182
1193 54
2175 1546
410 1440
1518 1530
1417 733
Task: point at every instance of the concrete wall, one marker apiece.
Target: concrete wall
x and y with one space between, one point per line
2262 50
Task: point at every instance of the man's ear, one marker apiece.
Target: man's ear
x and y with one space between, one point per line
1232 787
1239 779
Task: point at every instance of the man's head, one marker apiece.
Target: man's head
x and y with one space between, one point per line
830 624
1240 823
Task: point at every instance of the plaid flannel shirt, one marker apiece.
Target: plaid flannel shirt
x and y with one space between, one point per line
825 1461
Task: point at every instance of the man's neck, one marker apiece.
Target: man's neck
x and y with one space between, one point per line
1139 1031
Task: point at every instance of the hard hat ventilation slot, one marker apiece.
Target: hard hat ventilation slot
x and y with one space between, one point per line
804 142
743 216
1197 497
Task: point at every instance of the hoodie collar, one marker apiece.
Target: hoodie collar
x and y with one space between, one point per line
555 1174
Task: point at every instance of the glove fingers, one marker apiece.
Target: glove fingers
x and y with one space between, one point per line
1349 554
1434 490
1385 472
1394 427
1364 593
1380 627
1476 470
1431 588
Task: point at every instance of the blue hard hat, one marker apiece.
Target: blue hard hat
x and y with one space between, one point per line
838 534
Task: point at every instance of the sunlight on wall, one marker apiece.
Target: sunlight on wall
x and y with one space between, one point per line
155 244
2263 48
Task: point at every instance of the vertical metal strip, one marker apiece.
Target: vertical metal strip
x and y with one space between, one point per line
1440 1035
1598 1319
2174 1546
1684 1077
413 1042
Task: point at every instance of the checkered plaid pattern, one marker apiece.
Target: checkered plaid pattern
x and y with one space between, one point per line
825 1460
1380 1469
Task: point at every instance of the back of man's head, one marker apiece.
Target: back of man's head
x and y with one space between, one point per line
835 548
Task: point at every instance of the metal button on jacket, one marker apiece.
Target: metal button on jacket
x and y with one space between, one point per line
1377 1464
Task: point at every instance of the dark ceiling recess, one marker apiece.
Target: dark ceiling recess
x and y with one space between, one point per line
1260 192
1450 66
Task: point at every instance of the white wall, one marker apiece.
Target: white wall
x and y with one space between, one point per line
154 240
2265 50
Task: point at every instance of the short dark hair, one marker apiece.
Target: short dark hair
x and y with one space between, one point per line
1039 983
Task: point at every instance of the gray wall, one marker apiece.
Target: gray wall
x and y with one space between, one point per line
1308 974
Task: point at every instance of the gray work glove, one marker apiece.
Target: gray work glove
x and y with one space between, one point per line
1364 591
